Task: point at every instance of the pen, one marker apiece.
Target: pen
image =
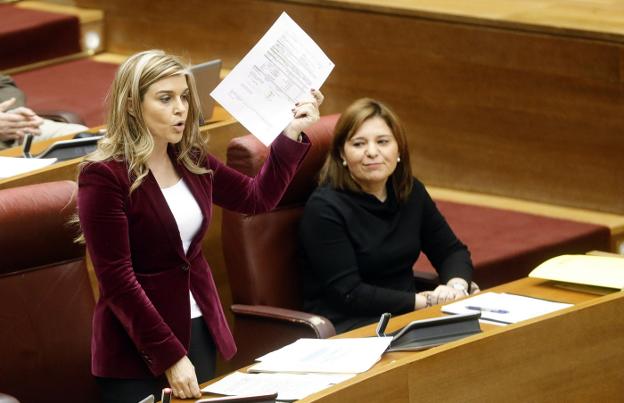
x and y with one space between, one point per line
166 395
484 309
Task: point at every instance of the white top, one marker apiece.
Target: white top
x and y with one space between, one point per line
188 216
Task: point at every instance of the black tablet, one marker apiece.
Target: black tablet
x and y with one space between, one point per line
70 149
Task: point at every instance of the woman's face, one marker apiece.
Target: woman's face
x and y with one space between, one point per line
165 107
371 153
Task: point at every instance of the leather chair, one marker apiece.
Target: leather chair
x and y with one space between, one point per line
46 299
260 254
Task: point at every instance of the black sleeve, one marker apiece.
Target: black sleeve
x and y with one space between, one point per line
447 254
331 258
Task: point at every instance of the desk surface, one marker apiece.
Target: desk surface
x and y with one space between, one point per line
571 355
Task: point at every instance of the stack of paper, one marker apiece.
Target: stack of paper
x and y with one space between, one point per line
305 367
338 356
504 309
288 386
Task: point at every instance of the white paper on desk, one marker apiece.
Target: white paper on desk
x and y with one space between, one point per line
11 166
278 71
288 386
516 307
338 356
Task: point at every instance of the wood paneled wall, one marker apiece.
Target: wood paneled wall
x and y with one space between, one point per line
503 110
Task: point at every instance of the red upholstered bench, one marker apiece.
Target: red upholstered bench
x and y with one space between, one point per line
506 245
79 86
28 36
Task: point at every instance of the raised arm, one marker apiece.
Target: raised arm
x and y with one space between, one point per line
240 193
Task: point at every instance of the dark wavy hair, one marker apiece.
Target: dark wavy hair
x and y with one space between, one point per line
337 176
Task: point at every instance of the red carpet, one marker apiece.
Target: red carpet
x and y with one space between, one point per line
28 36
78 86
507 245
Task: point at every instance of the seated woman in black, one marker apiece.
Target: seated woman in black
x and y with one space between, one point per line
366 224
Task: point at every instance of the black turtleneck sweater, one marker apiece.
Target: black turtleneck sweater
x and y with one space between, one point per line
358 253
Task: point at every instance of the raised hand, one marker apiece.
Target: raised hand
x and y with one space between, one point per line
305 113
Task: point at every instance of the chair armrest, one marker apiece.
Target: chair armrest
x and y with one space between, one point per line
61 116
321 326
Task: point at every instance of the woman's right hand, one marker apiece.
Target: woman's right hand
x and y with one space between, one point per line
306 113
182 379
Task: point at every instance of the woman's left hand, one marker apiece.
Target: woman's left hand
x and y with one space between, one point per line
305 112
443 294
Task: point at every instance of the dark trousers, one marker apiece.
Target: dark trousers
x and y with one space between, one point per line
202 354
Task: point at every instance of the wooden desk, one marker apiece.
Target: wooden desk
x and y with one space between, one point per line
571 355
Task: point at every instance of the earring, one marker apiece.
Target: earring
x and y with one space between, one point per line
398 159
344 163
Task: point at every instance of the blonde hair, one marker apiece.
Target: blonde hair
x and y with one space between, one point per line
127 137
337 176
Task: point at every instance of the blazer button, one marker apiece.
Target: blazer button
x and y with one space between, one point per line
185 267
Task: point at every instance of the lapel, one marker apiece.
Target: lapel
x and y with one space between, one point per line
199 189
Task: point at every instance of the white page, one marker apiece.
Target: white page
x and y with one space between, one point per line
504 308
278 71
346 356
288 386
11 166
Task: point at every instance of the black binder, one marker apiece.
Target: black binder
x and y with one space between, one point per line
426 333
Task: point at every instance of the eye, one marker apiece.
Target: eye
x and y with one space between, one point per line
383 141
358 143
165 99
185 97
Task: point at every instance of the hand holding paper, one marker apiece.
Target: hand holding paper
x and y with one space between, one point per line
305 112
279 71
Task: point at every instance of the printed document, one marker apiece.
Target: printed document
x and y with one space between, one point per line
280 69
11 166
339 356
503 308
288 386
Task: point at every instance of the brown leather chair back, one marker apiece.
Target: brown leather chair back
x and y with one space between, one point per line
260 250
46 299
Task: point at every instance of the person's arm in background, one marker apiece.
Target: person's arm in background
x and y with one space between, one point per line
15 123
8 90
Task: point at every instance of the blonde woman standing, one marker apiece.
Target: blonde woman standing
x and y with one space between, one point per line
144 203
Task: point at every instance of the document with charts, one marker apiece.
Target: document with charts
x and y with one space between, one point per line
278 71
503 308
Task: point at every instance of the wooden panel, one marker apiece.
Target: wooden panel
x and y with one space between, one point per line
499 107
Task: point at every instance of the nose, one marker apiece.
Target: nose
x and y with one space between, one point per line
371 149
179 106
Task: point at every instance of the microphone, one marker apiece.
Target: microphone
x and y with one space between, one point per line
28 138
383 322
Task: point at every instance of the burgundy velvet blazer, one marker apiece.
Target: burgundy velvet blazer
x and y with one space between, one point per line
141 323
